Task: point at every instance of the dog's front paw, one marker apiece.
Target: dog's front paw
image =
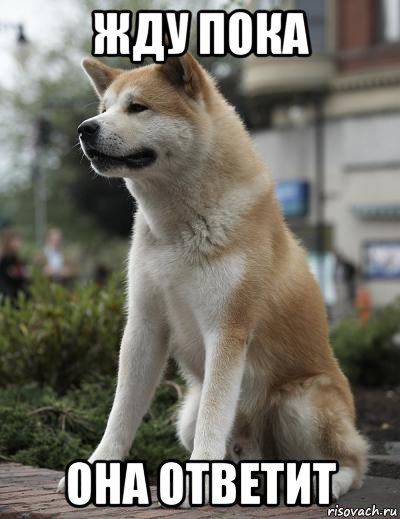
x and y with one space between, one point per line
186 502
206 492
61 486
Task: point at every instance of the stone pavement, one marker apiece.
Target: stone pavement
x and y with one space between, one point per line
29 493
386 460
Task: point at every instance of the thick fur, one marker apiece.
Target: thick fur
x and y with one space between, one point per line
217 280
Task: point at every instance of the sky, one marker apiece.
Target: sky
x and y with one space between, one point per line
42 20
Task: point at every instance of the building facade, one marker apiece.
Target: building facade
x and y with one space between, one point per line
331 124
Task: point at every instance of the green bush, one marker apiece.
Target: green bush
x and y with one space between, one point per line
369 353
58 365
40 428
61 337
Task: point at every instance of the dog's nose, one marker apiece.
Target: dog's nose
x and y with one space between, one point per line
88 129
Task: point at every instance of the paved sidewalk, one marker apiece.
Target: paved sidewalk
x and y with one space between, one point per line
29 493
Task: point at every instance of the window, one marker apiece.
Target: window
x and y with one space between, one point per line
381 260
316 17
389 15
270 5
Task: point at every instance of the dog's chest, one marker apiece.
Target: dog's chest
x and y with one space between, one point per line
196 295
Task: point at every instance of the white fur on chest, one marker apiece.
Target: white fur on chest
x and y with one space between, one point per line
195 296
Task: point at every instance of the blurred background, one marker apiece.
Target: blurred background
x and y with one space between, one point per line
328 127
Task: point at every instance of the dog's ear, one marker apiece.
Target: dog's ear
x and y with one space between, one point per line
185 72
101 76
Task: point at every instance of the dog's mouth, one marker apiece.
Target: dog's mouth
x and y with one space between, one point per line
140 159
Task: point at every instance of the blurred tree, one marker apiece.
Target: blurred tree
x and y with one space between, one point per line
52 88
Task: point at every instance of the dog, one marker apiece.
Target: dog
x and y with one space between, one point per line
215 279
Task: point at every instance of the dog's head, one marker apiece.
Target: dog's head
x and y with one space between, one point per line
152 119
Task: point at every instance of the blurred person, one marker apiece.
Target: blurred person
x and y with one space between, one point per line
346 272
345 277
13 277
101 274
54 261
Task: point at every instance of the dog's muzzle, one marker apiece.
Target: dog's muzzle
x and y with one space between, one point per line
88 133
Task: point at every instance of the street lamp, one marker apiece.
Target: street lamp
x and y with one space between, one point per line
320 187
21 38
40 139
297 116
18 28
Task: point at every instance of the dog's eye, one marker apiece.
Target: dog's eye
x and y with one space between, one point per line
135 108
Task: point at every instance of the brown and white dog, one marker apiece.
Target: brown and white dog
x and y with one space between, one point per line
216 279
